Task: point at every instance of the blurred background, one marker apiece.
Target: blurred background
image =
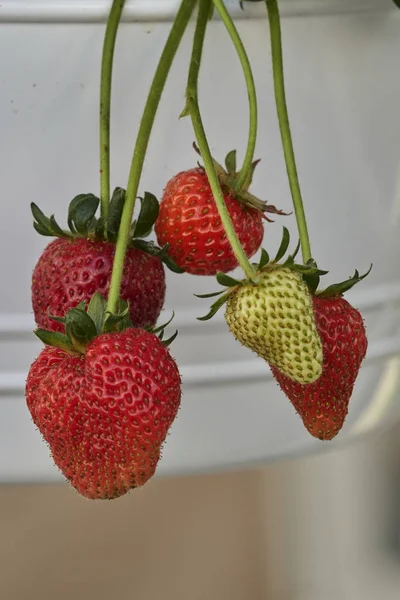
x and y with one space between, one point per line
319 527
246 505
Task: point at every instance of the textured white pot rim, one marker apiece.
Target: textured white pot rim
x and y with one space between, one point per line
377 297
75 11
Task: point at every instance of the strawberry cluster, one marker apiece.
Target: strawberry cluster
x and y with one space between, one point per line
105 390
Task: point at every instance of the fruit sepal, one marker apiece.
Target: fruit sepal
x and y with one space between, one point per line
84 323
309 272
151 248
338 289
83 223
228 178
160 331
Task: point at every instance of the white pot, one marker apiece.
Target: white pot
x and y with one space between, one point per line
343 94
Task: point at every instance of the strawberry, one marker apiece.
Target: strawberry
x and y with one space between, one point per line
275 319
71 271
79 263
104 403
323 404
190 224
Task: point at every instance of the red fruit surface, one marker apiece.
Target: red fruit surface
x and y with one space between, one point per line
71 271
106 414
190 223
323 405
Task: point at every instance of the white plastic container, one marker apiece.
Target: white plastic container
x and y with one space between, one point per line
343 91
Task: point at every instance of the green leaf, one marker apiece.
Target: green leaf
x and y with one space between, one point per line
250 175
309 270
125 323
289 262
264 259
147 246
185 112
296 250
55 339
397 3
38 215
118 323
47 226
214 308
212 295
283 246
83 213
121 318
58 232
312 282
230 162
115 213
227 281
99 229
150 248
148 215
169 341
91 233
42 229
97 310
71 211
55 318
171 264
161 327
80 328
338 289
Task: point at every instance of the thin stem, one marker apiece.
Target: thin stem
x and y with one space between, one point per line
105 103
284 125
251 91
153 99
192 108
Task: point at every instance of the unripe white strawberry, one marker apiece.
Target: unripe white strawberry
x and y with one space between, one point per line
275 319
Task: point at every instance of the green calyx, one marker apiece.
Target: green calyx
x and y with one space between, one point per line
228 178
338 289
310 273
84 323
83 223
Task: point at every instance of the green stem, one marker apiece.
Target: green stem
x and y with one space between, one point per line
105 103
280 97
192 109
178 28
251 91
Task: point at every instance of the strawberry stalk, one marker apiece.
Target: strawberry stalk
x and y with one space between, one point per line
105 103
284 125
192 109
153 99
247 167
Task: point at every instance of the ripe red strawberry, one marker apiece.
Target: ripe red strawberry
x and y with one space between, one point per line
79 263
105 414
190 224
71 271
323 405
